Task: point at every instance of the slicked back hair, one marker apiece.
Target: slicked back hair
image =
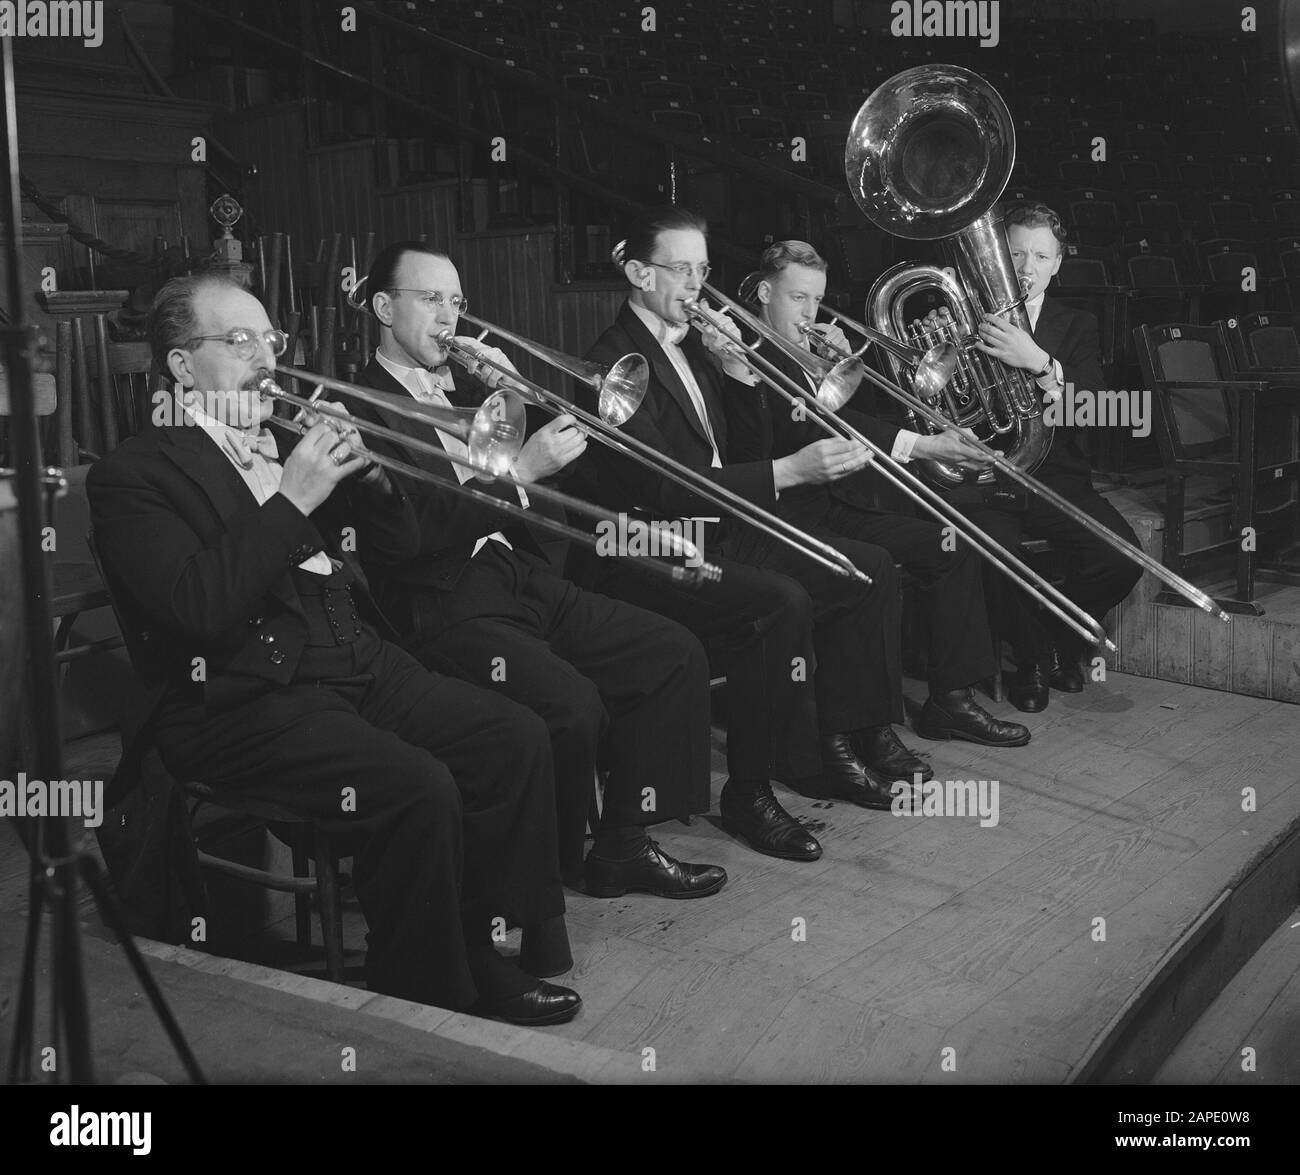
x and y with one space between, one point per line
383 270
643 232
170 321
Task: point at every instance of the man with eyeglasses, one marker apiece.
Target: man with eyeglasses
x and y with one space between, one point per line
811 658
248 615
623 691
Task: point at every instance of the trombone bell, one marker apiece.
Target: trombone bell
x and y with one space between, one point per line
623 388
495 434
837 387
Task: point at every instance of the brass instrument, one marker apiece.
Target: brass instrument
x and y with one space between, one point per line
821 410
927 158
493 434
827 395
620 389
931 368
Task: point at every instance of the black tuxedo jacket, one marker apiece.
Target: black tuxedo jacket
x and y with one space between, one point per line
668 422
761 424
449 524
1071 337
198 569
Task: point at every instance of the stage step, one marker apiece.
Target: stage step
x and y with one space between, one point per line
1255 655
1259 1010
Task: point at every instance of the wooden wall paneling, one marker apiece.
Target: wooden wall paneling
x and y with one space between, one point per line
1286 663
87 150
507 279
44 244
429 209
1173 660
1252 657
274 139
584 315
342 189
1211 651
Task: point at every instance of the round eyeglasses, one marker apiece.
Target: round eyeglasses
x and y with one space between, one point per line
433 300
245 341
684 269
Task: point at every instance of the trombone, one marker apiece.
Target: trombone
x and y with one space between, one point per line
1190 591
931 369
620 390
493 435
927 498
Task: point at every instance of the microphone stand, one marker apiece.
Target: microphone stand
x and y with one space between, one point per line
56 865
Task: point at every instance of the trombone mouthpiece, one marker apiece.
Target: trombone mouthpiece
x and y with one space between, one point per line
266 385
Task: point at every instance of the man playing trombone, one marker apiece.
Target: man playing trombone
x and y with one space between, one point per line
249 618
623 691
811 656
791 283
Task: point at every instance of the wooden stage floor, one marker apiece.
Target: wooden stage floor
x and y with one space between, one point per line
936 950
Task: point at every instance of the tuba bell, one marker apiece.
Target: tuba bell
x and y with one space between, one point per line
927 158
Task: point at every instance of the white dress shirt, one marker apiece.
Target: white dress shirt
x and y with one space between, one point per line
262 477
425 386
669 338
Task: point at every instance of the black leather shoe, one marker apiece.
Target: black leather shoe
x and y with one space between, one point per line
652 871
1064 673
545 1004
846 777
1027 688
959 715
544 948
885 755
752 813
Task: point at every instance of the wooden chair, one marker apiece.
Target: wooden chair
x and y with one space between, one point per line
125 384
1206 421
306 841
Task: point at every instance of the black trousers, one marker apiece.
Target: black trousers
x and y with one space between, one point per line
806 651
442 791
620 688
1097 577
950 588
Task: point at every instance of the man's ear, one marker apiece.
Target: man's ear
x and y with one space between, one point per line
383 305
178 363
641 276
764 291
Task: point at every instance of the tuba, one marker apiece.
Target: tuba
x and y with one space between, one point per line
928 155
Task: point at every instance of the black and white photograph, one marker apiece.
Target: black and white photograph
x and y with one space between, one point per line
660 544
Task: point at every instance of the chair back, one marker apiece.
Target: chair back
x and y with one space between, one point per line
1268 339
1196 421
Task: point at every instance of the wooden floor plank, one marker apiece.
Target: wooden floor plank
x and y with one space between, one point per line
1062 1004
919 933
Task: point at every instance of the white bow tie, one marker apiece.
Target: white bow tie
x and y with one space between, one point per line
435 386
241 446
674 332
